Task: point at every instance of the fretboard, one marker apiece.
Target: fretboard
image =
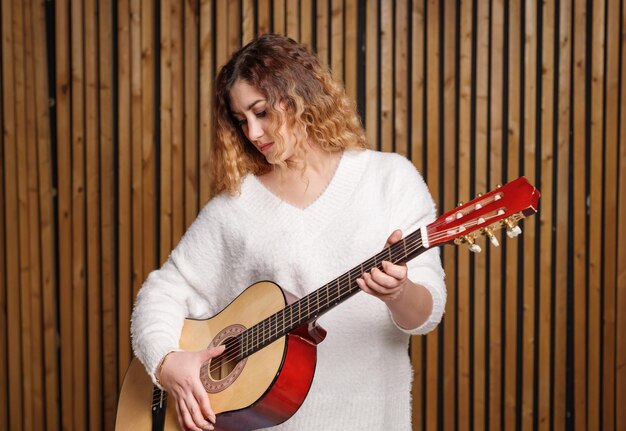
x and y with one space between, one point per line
323 299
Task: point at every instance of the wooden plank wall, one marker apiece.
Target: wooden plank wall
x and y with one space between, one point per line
105 109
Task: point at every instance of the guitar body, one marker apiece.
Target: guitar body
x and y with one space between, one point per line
267 390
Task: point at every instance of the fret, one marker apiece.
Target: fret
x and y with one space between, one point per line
244 343
283 319
317 297
404 245
328 294
272 328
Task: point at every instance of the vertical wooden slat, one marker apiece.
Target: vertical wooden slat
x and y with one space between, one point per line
432 97
4 364
620 303
81 398
107 216
21 137
371 73
148 158
15 405
417 104
64 212
136 144
263 19
48 285
279 17
178 94
351 48
562 215
528 239
594 377
206 101
462 414
292 14
386 76
580 229
512 271
31 287
495 331
221 24
449 201
190 53
609 281
337 61
545 322
480 166
234 27
165 163
247 21
431 169
418 72
124 189
401 96
323 22
92 172
306 23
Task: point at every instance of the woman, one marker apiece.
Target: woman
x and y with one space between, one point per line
299 200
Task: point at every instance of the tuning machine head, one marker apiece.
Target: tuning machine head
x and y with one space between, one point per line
470 240
512 229
488 231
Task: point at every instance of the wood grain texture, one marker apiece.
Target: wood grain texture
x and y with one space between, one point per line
105 166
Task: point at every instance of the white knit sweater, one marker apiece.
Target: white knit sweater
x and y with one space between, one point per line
363 375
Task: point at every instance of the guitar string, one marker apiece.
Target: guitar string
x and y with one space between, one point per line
259 336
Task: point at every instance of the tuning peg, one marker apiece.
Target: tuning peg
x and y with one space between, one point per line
475 248
512 229
492 238
515 231
471 243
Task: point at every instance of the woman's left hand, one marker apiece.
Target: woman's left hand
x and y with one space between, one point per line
388 284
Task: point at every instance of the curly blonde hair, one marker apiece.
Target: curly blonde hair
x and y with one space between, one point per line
289 76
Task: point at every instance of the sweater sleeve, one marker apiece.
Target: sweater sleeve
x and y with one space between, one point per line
183 287
412 207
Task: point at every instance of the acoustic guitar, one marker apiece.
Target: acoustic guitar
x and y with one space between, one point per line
271 337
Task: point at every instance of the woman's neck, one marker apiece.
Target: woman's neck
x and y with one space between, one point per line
301 181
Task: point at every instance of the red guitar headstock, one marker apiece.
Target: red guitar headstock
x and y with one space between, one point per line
500 208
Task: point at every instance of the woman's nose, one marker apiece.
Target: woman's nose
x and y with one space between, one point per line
255 130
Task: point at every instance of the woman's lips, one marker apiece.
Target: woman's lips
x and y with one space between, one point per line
263 148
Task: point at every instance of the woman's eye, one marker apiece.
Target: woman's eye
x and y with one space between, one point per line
260 114
240 122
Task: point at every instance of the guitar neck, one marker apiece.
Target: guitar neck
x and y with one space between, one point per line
325 298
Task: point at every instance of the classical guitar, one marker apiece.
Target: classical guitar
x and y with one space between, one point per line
271 338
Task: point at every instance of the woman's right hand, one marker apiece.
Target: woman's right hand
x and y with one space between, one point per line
180 377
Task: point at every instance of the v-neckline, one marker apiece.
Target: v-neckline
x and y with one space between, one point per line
264 205
314 200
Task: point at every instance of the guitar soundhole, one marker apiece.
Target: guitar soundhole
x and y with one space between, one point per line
222 371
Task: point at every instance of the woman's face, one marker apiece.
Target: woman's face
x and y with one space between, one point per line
248 107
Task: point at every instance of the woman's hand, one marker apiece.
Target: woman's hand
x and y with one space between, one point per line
388 284
410 304
180 377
